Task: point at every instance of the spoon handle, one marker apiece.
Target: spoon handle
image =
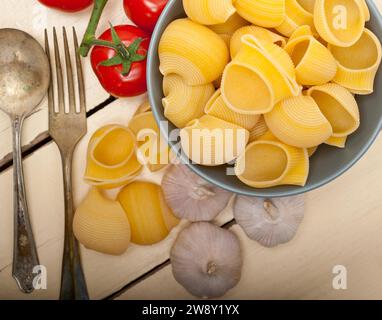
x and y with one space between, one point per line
25 258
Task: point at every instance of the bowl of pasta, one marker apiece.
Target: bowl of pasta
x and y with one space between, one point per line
285 96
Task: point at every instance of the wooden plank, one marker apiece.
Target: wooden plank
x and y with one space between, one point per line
33 18
342 226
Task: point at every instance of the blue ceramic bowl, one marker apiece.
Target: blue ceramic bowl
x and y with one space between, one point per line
326 165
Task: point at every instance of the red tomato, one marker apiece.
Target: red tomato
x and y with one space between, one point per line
67 5
111 77
144 13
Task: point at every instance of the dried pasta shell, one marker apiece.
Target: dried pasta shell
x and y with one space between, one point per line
151 220
228 28
111 159
211 141
216 107
258 130
315 65
298 13
153 150
264 13
365 9
338 106
358 64
258 32
339 22
183 103
260 75
144 107
267 162
192 51
101 224
300 32
299 122
209 12
338 142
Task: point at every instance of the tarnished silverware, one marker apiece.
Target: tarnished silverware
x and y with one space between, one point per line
67 129
24 81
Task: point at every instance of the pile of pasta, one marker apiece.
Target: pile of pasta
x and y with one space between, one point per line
283 73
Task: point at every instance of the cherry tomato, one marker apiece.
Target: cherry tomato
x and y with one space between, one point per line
144 13
67 5
112 78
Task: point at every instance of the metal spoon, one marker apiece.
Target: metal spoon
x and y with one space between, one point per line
24 81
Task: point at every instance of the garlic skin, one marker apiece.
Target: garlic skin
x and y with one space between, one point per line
269 221
206 260
100 224
192 198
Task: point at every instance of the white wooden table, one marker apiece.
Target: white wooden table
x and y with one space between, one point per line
341 227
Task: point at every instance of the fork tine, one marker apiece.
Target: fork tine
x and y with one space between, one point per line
50 91
80 75
60 86
69 74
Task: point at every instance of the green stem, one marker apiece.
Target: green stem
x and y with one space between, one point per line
89 36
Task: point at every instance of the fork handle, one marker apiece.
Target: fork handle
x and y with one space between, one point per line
25 257
73 283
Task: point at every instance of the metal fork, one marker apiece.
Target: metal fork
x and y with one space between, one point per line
67 129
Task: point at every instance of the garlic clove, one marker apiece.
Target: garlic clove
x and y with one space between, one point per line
100 224
192 198
206 260
269 222
150 218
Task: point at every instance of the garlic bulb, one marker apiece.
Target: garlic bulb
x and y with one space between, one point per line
270 222
101 224
192 198
206 260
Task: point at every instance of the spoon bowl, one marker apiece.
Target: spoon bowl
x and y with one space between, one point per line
24 72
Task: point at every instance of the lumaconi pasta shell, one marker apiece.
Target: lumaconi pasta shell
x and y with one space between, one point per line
211 141
230 26
259 76
315 65
216 107
209 12
298 121
339 22
358 64
152 148
298 13
151 220
300 32
111 159
258 130
192 51
258 32
338 142
100 224
365 9
338 106
267 162
264 13
183 103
